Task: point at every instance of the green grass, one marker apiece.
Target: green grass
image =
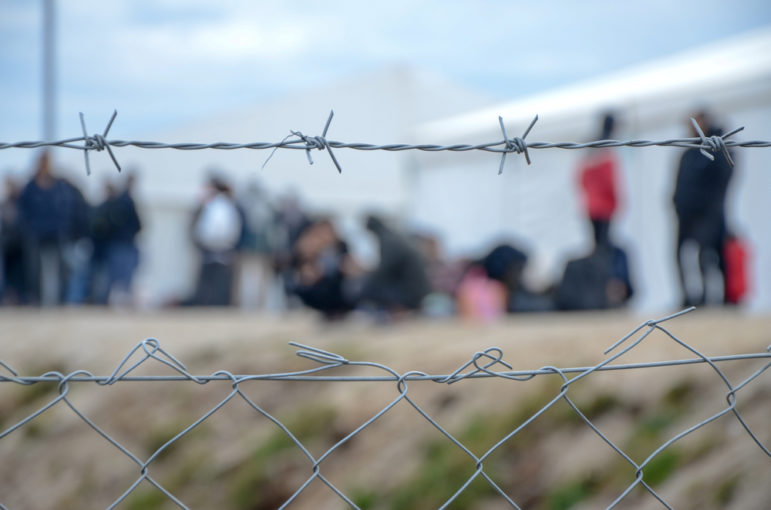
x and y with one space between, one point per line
32 393
681 393
365 499
568 495
145 498
257 483
446 467
662 466
161 434
726 490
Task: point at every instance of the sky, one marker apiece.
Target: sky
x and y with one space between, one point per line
164 62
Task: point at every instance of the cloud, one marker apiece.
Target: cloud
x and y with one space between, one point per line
176 59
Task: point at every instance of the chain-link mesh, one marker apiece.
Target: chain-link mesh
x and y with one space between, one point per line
488 364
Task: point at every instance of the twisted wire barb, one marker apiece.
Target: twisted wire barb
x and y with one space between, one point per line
484 364
715 144
516 144
709 146
97 142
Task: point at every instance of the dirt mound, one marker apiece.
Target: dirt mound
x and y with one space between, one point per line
238 458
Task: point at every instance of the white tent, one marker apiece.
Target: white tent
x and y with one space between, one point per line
461 196
379 107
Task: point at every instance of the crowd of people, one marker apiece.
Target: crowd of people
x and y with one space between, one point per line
57 248
247 246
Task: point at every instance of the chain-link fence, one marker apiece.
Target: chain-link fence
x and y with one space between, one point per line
641 459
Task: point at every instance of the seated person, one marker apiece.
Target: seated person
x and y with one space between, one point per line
321 265
399 282
596 282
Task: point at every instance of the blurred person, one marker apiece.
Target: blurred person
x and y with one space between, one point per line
444 276
322 267
479 297
51 215
256 277
78 248
598 179
601 279
291 222
115 225
597 281
399 282
217 231
12 289
699 199
506 264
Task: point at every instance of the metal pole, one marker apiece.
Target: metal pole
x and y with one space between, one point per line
49 71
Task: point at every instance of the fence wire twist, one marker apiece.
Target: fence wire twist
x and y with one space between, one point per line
708 145
485 364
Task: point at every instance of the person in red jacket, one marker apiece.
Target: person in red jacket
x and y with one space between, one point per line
597 174
602 278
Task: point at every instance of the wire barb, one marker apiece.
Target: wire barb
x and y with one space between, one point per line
298 141
97 142
714 144
516 144
319 142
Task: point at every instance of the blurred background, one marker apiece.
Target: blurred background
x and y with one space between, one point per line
197 72
300 252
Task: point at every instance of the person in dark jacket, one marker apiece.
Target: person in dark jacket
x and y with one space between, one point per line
49 209
12 289
597 281
399 282
77 248
114 228
699 200
322 266
506 264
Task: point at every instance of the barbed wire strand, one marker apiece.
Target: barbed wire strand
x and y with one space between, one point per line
482 364
296 140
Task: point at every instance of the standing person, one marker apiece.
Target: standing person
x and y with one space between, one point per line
399 282
256 279
122 250
699 200
218 227
44 207
600 279
11 247
598 176
114 228
291 222
77 247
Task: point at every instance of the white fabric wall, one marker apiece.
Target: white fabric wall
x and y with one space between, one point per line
539 206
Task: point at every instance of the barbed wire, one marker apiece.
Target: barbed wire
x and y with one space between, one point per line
296 140
488 363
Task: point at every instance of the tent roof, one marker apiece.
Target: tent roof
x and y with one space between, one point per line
718 65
